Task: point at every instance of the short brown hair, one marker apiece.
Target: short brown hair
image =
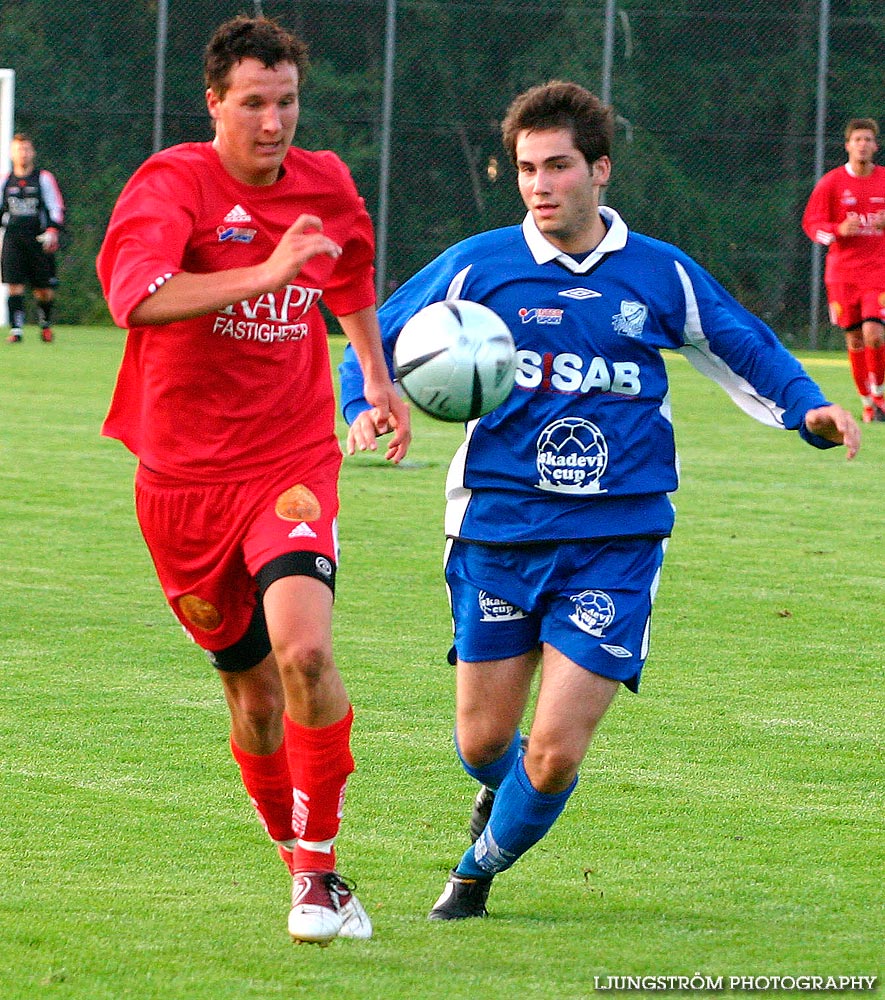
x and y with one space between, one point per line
559 104
861 124
250 38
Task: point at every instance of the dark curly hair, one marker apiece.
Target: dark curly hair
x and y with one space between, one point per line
559 104
250 38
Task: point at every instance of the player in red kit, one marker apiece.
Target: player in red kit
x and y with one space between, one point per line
215 259
846 213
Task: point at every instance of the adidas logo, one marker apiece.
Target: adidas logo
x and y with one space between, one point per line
302 531
238 214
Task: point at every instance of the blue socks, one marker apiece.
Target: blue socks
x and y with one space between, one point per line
520 817
493 774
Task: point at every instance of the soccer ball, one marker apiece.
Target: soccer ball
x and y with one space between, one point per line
456 360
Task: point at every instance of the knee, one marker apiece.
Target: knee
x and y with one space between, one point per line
304 662
258 708
256 718
479 749
551 768
873 335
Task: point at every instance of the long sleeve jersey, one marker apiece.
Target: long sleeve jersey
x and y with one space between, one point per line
31 203
583 447
860 259
246 388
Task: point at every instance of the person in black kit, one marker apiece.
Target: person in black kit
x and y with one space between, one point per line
33 214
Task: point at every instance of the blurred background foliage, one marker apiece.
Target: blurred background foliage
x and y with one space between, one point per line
716 103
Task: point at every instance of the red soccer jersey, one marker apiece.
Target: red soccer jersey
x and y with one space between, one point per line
858 260
246 389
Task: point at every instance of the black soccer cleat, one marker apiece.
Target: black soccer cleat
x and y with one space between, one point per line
463 897
483 802
482 809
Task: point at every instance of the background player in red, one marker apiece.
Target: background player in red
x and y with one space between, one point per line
846 213
215 258
33 213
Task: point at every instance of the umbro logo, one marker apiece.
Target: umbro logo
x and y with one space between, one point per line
238 214
617 651
302 531
580 294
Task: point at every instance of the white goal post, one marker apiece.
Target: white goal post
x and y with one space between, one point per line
7 127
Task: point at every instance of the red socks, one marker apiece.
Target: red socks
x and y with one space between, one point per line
316 764
875 362
858 361
269 786
320 762
868 370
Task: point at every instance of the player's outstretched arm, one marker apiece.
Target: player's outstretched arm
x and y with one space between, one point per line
835 424
186 294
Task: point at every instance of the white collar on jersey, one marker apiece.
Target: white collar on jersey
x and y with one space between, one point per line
544 251
852 173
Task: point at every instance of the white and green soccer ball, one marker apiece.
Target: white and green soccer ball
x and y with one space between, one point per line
456 360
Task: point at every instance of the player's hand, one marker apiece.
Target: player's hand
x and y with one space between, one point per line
850 225
49 240
835 424
301 242
390 414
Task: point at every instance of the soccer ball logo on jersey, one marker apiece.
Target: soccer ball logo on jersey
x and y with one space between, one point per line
631 319
594 612
494 609
572 456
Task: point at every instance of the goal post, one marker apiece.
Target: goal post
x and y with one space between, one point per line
7 128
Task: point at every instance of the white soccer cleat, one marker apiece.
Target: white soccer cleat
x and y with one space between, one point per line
355 920
323 908
315 916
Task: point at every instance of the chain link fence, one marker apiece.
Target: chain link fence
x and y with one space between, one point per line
727 112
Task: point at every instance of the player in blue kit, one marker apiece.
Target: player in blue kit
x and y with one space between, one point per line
558 502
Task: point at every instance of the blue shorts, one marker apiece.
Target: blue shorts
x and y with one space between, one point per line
590 600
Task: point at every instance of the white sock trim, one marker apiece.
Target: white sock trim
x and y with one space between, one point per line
320 846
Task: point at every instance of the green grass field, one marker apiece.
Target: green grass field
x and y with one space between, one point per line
729 820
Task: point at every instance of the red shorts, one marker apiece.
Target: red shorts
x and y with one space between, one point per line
850 304
209 543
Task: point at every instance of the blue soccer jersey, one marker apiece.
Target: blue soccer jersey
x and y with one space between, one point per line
584 447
